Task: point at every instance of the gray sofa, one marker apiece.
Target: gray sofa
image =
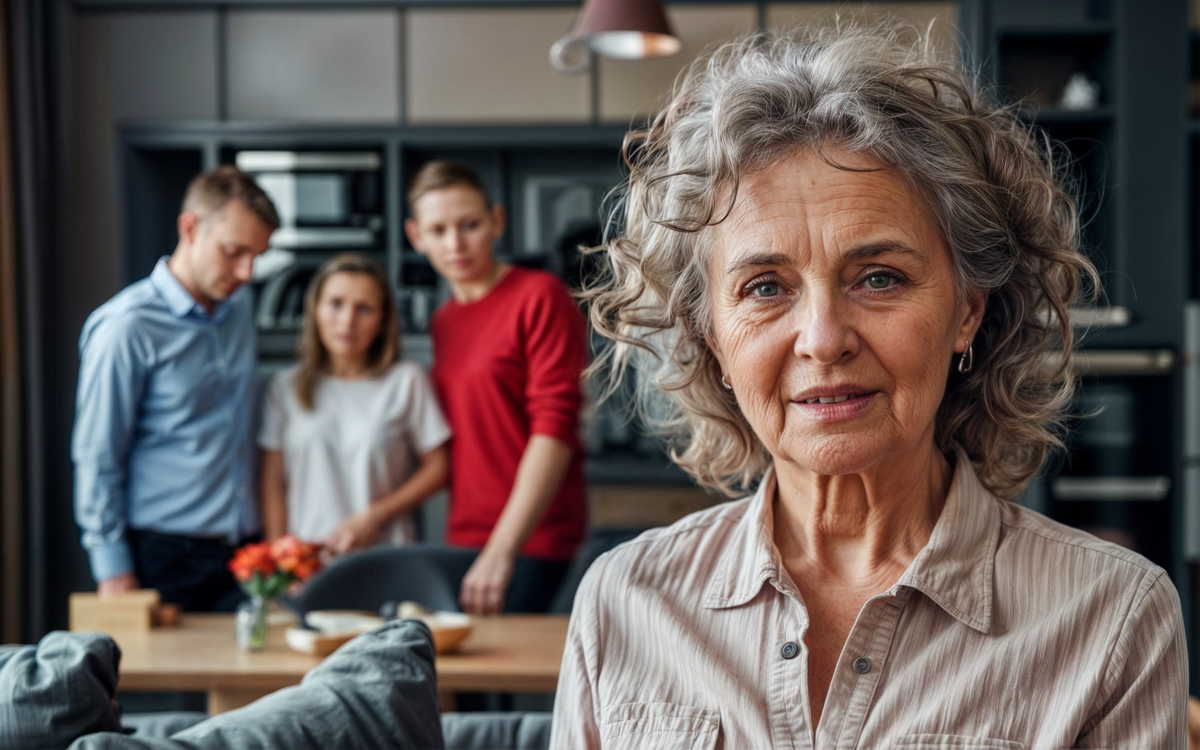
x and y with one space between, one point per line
378 691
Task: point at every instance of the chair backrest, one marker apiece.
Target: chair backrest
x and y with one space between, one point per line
427 574
597 544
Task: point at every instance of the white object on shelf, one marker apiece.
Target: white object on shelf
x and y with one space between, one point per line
1081 94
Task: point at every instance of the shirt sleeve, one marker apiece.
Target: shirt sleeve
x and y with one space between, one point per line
424 421
274 414
1146 703
556 350
576 722
113 369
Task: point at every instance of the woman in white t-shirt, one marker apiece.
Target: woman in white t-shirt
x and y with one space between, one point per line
352 439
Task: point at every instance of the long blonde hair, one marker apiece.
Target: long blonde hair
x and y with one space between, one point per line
312 354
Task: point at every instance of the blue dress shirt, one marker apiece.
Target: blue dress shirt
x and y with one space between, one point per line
163 433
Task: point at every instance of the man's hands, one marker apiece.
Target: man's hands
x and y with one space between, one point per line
486 583
356 532
110 587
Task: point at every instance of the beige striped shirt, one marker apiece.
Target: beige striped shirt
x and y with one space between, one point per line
1007 631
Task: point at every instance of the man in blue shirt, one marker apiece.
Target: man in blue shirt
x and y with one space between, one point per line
162 447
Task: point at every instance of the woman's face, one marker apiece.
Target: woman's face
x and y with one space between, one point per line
349 315
455 229
835 314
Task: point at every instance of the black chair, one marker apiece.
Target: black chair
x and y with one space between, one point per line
427 574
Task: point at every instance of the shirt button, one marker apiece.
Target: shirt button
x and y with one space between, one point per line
789 650
862 665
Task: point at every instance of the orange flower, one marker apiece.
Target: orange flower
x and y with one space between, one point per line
251 559
298 558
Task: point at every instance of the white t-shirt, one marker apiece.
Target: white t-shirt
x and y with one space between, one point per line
360 442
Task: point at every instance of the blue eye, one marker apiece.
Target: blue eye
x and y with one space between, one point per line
767 289
879 281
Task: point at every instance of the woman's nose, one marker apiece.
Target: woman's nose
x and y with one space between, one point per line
825 334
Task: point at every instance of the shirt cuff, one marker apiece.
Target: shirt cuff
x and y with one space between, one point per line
110 560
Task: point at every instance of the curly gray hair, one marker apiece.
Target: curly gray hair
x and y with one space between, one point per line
996 188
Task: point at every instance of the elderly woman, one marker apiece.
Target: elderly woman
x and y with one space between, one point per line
854 274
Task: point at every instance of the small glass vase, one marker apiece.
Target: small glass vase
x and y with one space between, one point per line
252 624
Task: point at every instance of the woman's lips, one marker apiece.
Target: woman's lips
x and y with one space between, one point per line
837 408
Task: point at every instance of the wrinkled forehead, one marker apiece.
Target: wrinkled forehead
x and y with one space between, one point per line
809 204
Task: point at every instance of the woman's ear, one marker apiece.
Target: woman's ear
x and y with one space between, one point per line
498 218
716 350
972 317
414 233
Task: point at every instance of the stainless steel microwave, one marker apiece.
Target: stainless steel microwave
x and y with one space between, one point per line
325 200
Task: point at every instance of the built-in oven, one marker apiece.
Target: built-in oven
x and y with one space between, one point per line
1117 478
325 200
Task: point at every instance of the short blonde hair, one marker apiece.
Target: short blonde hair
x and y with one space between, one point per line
440 174
995 187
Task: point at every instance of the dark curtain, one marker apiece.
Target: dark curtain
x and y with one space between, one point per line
30 133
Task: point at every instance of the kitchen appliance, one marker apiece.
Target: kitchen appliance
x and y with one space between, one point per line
325 200
1117 479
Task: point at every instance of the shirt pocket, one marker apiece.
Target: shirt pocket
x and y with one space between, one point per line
954 742
659 726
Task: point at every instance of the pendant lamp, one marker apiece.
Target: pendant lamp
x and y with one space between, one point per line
619 29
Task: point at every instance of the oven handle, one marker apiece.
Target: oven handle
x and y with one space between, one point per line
1111 488
1124 362
1191 430
1096 317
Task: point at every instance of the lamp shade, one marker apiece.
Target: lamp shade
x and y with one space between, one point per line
620 29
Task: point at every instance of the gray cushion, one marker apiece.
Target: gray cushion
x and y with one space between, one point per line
58 690
161 723
497 730
377 691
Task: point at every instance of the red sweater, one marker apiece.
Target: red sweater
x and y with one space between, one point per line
506 367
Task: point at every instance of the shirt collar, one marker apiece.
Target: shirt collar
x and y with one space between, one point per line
955 568
179 300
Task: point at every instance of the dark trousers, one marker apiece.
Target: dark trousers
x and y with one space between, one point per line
534 584
189 571
531 590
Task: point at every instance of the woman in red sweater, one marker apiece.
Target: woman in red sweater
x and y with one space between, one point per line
509 350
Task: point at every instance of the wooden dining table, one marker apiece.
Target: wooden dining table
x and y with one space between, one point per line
504 653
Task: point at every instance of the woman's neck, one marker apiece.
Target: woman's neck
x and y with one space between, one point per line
860 528
349 368
467 292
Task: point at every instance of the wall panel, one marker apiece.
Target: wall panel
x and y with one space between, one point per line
314 66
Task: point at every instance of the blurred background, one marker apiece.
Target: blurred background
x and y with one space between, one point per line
111 106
